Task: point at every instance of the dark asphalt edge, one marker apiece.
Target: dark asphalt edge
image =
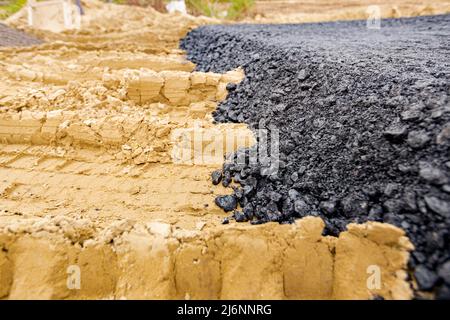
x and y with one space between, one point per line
11 37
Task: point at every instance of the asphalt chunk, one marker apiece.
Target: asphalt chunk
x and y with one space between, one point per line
227 203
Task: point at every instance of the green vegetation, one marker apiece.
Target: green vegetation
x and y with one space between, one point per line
10 7
230 9
203 7
239 8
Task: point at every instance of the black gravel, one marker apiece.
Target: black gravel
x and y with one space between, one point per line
10 37
364 122
227 203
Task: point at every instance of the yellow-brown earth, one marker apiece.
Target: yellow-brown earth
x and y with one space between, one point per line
91 177
298 11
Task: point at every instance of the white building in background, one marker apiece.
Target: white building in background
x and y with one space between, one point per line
54 15
176 6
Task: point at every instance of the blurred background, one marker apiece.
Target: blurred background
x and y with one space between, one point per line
269 10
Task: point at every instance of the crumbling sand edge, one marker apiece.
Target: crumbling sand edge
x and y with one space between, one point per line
157 261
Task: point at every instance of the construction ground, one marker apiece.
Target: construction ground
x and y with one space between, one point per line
95 126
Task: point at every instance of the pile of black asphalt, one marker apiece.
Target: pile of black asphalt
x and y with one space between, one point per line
363 123
10 37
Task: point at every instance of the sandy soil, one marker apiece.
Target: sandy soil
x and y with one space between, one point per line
91 176
296 11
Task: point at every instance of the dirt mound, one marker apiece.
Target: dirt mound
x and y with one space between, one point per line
295 11
10 37
363 121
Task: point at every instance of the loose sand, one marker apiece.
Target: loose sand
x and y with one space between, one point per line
299 11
